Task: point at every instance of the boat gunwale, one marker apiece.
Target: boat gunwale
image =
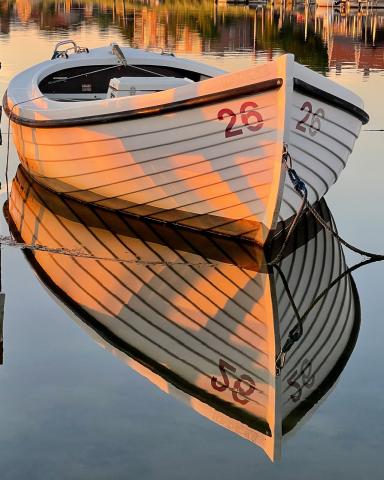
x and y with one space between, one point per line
303 87
299 85
152 110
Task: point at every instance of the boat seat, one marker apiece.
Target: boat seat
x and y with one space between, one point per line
125 86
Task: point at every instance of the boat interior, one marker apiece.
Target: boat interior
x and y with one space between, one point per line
97 82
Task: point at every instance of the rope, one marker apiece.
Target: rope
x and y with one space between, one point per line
301 189
296 333
348 245
61 80
78 253
335 281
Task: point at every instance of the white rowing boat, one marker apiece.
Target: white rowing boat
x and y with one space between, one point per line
158 136
200 317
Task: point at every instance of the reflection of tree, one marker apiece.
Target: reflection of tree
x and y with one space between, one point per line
312 51
182 25
196 14
5 16
201 25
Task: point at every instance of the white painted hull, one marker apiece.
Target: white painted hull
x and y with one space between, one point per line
185 166
179 173
183 304
318 156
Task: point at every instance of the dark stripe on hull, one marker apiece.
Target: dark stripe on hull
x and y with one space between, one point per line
171 107
333 100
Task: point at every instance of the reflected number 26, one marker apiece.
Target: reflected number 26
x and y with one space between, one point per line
239 393
250 118
306 377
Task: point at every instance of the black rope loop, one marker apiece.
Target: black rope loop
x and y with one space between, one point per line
296 333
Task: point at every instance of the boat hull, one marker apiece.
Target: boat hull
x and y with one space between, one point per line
183 172
321 139
206 155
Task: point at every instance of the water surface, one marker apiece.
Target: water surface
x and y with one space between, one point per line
70 406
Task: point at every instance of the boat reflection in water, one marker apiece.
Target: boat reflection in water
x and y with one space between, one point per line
203 318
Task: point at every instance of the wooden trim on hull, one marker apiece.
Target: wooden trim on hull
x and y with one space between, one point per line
333 100
299 85
146 111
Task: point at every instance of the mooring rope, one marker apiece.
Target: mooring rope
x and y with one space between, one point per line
297 331
353 248
9 241
301 189
62 80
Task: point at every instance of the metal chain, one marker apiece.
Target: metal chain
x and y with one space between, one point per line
301 190
295 333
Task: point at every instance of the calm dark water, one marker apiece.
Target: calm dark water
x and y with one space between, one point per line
70 405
